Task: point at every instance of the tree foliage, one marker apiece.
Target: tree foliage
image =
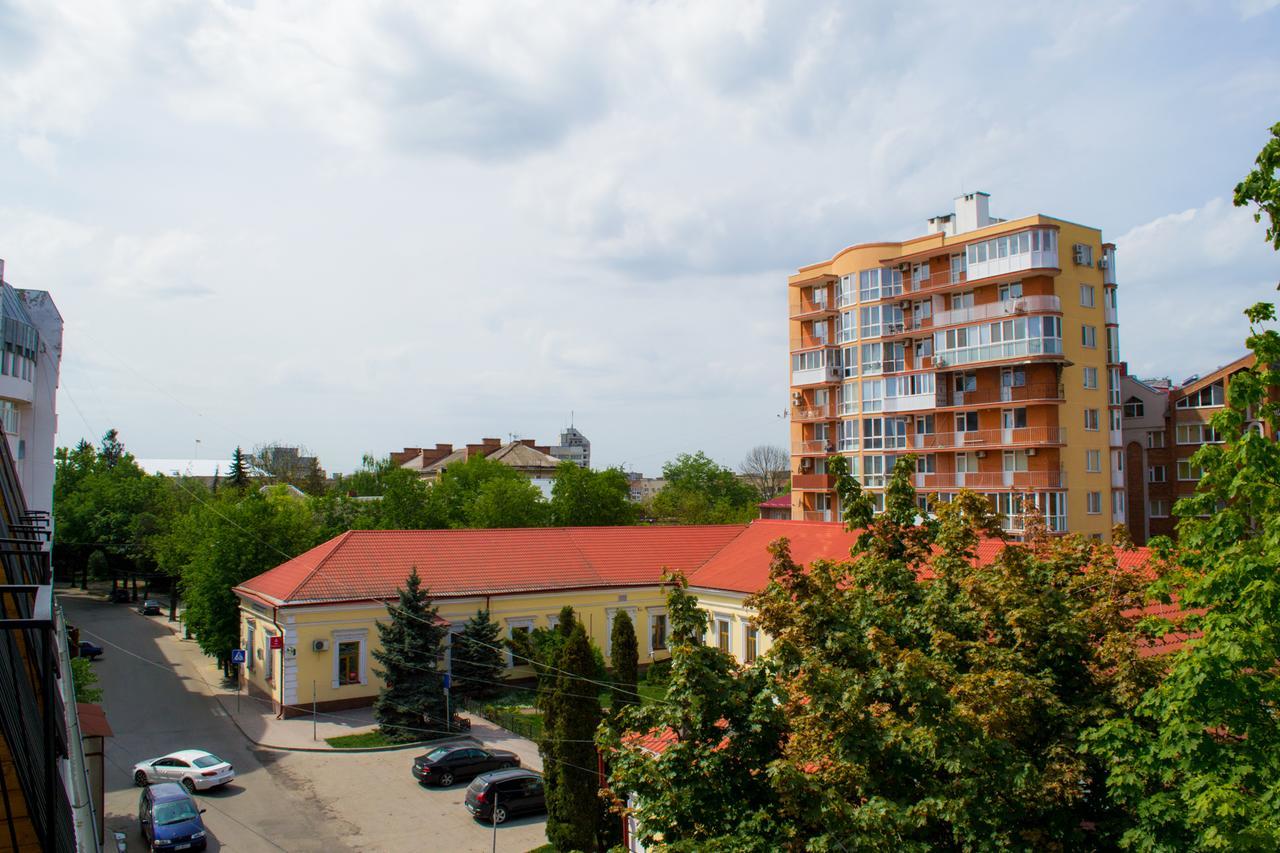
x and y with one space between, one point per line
238 474
568 749
581 497
624 656
1261 187
477 658
697 490
1199 761
84 680
412 696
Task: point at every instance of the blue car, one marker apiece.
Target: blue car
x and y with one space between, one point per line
169 819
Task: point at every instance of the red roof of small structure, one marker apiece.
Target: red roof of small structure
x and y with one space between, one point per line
93 720
365 565
779 502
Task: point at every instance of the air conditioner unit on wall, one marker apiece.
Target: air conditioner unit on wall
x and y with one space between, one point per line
319 645
1031 451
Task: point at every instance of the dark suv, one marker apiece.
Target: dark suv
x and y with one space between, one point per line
494 797
169 819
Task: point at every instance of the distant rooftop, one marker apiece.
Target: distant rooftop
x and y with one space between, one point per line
207 468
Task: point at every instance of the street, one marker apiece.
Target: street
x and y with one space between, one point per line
158 693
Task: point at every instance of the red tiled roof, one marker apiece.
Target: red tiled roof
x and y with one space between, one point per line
93 720
779 502
362 565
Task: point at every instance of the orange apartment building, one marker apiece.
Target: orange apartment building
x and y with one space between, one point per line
1164 425
987 347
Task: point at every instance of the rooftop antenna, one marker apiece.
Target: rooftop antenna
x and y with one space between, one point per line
571 415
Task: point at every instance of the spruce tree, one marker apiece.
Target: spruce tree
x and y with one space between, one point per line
238 475
624 655
477 657
412 696
569 752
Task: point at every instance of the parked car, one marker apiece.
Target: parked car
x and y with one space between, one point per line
119 595
169 819
444 764
89 650
193 769
150 607
494 797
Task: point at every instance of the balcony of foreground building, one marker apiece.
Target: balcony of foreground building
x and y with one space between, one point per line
810 414
981 481
998 310
1044 349
812 309
991 438
803 342
827 374
815 447
1039 392
812 482
819 515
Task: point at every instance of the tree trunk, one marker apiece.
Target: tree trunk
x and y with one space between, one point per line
173 600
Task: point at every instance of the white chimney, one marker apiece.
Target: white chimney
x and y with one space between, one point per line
973 211
942 224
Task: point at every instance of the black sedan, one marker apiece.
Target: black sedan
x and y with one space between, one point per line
89 650
150 607
444 764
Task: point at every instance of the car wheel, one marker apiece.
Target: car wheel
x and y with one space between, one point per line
446 779
189 785
500 815
140 779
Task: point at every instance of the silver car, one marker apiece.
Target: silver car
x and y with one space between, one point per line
193 769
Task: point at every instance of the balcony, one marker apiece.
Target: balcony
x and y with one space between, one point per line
999 352
1019 437
910 403
807 309
984 480
813 482
813 413
829 374
1048 392
998 310
816 447
808 342
818 515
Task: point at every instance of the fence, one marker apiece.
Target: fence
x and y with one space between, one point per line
512 719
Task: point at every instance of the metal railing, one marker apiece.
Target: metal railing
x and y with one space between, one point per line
1014 394
812 482
980 480
997 310
813 413
1018 437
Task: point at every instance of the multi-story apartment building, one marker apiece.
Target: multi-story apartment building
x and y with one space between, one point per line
1164 425
988 348
573 446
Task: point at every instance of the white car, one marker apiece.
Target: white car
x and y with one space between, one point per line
194 769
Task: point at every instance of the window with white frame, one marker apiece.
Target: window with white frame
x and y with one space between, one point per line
1155 439
872 395
1007 292
518 631
250 648
962 300
1114 416
1015 461
1113 345
724 634
847 435
1197 434
849 358
751 642
1093 461
847 399
1207 397
847 327
1013 377
873 433
349 649
871 321
1091 377
611 613
871 357
1156 474
1113 385
846 291
1089 336
1135 408
657 631
957 268
1159 507
268 655
1087 295
1117 502
1091 419
1093 503
1188 472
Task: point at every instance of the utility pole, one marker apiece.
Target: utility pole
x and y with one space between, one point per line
495 819
313 710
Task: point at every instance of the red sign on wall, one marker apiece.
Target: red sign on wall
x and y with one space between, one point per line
277 642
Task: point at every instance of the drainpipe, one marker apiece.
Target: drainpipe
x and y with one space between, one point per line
279 671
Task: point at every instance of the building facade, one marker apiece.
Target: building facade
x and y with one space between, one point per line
1164 426
574 447
988 348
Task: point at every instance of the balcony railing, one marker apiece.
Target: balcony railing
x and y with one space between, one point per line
1015 394
808 342
1018 437
997 310
999 352
818 515
812 482
809 307
982 480
813 413
825 445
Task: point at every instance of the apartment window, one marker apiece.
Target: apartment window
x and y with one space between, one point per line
849 358
966 382
924 349
957 268
1206 397
962 300
1159 508
924 424
1013 418
1155 440
1089 336
1156 474
967 422
921 310
724 639
1015 460
847 433
846 291
1188 472
1114 415
919 274
1093 461
872 395
848 399
1013 377
927 463
895 357
1091 419
1117 502
1007 292
1113 384
871 321
1086 295
349 662
873 434
1134 408
751 636
248 644
1091 377
268 656
871 358
1093 503
1197 434
1083 254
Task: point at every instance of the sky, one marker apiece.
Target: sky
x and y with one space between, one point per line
364 226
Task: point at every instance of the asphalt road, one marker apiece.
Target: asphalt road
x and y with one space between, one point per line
157 707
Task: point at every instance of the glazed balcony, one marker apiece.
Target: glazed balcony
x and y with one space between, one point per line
998 310
985 480
975 439
813 482
999 352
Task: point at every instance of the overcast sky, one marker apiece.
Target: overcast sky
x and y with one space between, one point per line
361 226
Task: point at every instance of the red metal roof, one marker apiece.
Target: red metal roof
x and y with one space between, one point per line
779 502
93 720
362 565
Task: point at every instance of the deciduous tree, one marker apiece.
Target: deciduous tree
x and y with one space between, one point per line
697 490
768 468
581 497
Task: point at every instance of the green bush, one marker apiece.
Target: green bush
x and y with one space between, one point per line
658 674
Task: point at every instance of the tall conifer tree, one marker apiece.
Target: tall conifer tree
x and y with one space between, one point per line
477 660
412 698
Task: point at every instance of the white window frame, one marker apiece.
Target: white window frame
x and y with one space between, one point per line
1093 503
349 635
514 622
1158 508
1093 461
650 614
1151 474
718 619
268 656
1091 420
1091 377
1089 336
1088 297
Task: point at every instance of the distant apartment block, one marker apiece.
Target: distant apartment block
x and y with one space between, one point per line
574 447
1164 425
988 348
30 366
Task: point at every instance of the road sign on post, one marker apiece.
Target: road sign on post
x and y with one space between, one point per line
277 642
238 657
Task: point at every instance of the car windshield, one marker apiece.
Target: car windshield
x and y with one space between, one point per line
207 760
177 811
437 754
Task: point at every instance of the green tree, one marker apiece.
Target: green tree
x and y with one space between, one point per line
238 475
83 679
568 751
624 654
506 502
412 696
709 788
1199 761
581 497
1261 187
478 659
453 496
113 451
697 490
